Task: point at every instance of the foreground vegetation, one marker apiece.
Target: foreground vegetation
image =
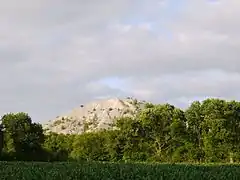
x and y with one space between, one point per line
206 132
115 171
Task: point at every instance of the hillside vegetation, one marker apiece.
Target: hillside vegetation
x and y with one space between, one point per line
94 116
207 131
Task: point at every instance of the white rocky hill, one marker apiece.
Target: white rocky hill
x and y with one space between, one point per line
94 116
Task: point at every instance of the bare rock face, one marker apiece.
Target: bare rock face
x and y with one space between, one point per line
94 116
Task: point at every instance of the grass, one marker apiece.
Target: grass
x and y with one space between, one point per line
115 171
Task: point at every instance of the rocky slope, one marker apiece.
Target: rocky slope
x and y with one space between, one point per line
94 116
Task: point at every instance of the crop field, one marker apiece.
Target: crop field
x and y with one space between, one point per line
115 171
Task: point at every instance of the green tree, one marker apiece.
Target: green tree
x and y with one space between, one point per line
148 105
215 135
131 140
22 138
233 126
194 123
164 127
213 127
90 147
1 140
115 142
221 129
58 146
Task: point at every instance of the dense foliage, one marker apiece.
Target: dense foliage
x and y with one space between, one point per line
207 131
115 171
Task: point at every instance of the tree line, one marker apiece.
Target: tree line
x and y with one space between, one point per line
207 131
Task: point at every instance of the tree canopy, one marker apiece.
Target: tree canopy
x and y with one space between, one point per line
207 131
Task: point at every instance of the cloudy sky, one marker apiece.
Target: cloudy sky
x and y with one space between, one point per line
58 54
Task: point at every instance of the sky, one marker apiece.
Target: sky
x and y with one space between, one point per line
58 54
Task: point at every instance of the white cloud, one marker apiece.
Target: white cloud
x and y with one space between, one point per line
54 54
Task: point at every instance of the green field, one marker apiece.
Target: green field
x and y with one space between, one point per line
111 171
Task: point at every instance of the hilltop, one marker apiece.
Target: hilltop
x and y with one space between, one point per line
94 116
